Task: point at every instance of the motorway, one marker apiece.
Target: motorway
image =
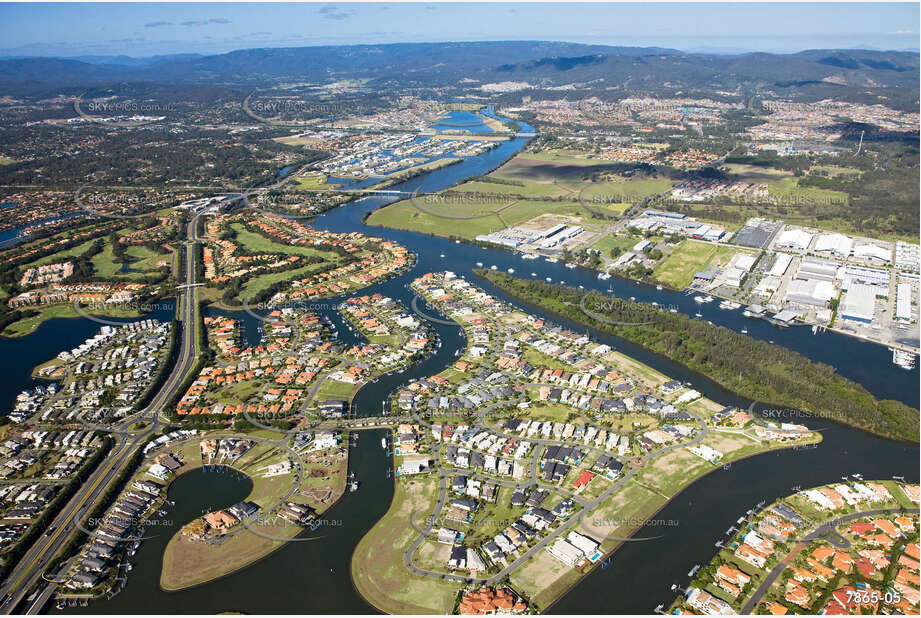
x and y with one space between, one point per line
32 566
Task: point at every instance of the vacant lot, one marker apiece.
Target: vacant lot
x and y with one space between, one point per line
691 256
378 572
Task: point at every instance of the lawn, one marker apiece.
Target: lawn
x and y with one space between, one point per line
405 216
677 270
28 325
378 572
259 243
61 256
188 562
313 182
612 241
143 263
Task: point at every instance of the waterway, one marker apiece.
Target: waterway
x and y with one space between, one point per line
302 577
293 579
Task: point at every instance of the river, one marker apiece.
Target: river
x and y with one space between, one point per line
295 579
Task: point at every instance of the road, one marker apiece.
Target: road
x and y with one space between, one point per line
812 536
32 566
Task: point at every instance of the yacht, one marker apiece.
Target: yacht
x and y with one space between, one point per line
551 260
604 276
570 265
698 299
905 360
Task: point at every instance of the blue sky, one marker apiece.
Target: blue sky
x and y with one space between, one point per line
146 29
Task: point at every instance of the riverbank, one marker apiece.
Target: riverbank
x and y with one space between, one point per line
766 372
189 561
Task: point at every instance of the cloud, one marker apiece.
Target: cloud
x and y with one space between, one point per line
205 22
332 12
157 24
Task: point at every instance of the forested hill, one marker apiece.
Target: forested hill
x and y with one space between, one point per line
877 76
749 367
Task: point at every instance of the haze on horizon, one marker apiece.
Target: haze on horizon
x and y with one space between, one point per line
147 29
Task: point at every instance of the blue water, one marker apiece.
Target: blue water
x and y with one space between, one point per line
462 121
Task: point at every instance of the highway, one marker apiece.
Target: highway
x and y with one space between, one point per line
32 566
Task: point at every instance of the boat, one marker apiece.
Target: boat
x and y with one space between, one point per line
442 255
533 274
698 299
815 328
570 265
353 486
551 260
511 271
548 279
493 267
905 360
673 310
708 299
698 315
529 256
604 276
744 331
480 264
383 442
694 570
729 304
659 287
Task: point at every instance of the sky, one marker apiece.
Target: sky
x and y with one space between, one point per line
146 29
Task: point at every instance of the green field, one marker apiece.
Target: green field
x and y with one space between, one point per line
143 263
28 325
677 270
611 241
405 216
378 572
258 243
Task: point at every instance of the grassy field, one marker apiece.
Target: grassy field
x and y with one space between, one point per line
188 562
28 325
677 270
143 263
405 216
259 243
611 241
60 256
313 182
378 572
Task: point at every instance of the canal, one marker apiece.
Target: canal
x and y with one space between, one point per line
302 577
313 577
